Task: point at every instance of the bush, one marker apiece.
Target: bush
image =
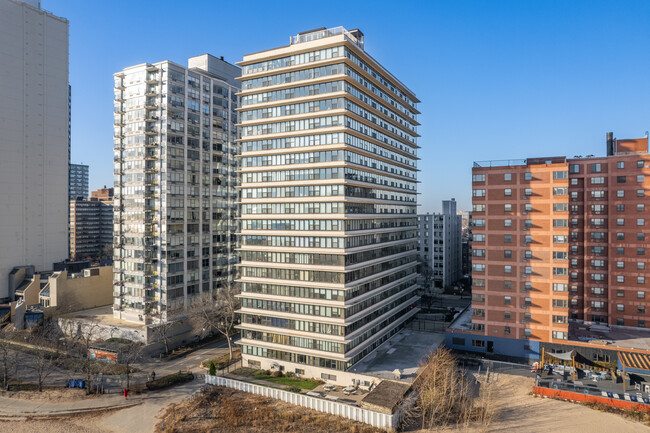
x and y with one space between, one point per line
289 374
169 380
213 369
294 389
267 372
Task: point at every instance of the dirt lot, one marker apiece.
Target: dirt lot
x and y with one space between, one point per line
236 412
518 411
79 424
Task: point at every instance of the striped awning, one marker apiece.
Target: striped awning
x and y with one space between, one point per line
637 361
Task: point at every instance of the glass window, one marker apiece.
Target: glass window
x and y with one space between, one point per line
507 238
478 178
507 192
595 168
507 223
560 175
639 164
620 193
620 164
528 176
507 207
507 177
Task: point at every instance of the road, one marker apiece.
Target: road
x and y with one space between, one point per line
162 368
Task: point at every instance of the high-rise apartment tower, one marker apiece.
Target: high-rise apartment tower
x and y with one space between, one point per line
439 244
34 120
78 182
560 251
329 225
175 185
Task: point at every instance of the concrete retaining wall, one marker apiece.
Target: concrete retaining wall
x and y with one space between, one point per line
375 419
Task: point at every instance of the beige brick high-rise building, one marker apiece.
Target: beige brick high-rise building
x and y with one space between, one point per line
328 213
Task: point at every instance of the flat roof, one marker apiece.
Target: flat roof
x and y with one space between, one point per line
464 320
388 394
104 316
610 337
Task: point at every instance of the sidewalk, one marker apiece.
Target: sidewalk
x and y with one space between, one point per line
16 407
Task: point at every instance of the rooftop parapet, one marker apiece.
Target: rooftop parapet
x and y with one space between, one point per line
354 36
520 162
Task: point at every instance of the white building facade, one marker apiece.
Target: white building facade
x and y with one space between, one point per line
440 243
175 185
34 138
329 226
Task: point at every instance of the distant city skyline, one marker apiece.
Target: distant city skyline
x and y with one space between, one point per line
497 79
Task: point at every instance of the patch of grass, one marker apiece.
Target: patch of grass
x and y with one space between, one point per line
223 361
288 381
169 380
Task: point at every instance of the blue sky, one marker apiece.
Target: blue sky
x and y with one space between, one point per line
497 79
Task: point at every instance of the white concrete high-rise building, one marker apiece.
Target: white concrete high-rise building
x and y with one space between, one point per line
440 243
329 227
34 138
175 185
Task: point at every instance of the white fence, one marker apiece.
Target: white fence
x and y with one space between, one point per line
375 419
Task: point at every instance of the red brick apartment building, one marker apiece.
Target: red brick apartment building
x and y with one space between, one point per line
559 252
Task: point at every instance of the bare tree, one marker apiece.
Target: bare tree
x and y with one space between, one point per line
163 331
8 357
445 395
219 311
128 354
44 359
80 341
107 251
